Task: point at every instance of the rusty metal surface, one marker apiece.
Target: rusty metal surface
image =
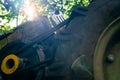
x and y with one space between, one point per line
3 42
29 30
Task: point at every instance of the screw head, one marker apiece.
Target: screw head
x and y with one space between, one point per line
110 58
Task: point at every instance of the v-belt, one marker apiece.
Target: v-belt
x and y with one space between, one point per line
46 35
39 39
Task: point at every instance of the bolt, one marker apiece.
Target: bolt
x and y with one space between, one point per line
110 58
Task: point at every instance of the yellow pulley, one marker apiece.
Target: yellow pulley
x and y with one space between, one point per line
10 64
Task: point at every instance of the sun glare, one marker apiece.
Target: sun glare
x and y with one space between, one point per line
30 10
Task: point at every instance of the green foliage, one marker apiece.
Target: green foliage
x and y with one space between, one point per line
66 5
10 10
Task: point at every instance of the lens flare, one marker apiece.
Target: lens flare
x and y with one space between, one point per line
31 10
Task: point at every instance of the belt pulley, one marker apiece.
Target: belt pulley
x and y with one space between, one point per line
10 64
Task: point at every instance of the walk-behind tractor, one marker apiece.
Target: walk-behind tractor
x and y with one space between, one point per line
84 47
